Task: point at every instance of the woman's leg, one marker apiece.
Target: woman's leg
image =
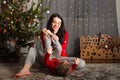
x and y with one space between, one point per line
30 59
39 47
40 50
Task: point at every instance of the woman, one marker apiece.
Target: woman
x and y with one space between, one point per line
55 26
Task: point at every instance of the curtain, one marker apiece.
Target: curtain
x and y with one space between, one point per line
84 17
118 15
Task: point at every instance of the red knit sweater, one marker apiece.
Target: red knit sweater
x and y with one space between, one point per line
63 45
51 63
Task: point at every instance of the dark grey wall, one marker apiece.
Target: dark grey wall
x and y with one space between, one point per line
84 17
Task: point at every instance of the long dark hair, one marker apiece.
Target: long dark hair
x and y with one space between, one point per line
61 30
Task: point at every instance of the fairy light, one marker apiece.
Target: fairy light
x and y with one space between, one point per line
48 12
103 20
87 24
63 12
112 24
95 13
95 25
96 19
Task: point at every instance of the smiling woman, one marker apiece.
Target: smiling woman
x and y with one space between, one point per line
54 32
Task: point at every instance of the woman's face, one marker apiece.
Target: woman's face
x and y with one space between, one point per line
56 23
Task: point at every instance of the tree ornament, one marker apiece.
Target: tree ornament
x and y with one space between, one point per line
4 2
10 7
4 31
36 16
12 22
31 21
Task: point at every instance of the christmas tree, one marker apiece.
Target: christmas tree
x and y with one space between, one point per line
20 21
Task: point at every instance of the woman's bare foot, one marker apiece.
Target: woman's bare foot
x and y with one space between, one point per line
23 73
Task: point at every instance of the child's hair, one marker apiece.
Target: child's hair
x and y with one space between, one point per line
63 69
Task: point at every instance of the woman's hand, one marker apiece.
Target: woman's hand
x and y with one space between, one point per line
77 60
50 51
49 32
55 37
45 31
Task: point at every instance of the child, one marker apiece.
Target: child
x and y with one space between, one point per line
61 66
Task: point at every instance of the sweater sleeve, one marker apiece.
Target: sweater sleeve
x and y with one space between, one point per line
64 44
49 63
47 60
74 66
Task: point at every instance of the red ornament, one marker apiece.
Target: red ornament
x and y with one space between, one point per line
4 31
31 21
0 30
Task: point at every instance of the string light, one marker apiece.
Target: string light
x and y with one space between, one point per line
112 24
87 24
48 11
94 25
63 12
95 13
96 19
